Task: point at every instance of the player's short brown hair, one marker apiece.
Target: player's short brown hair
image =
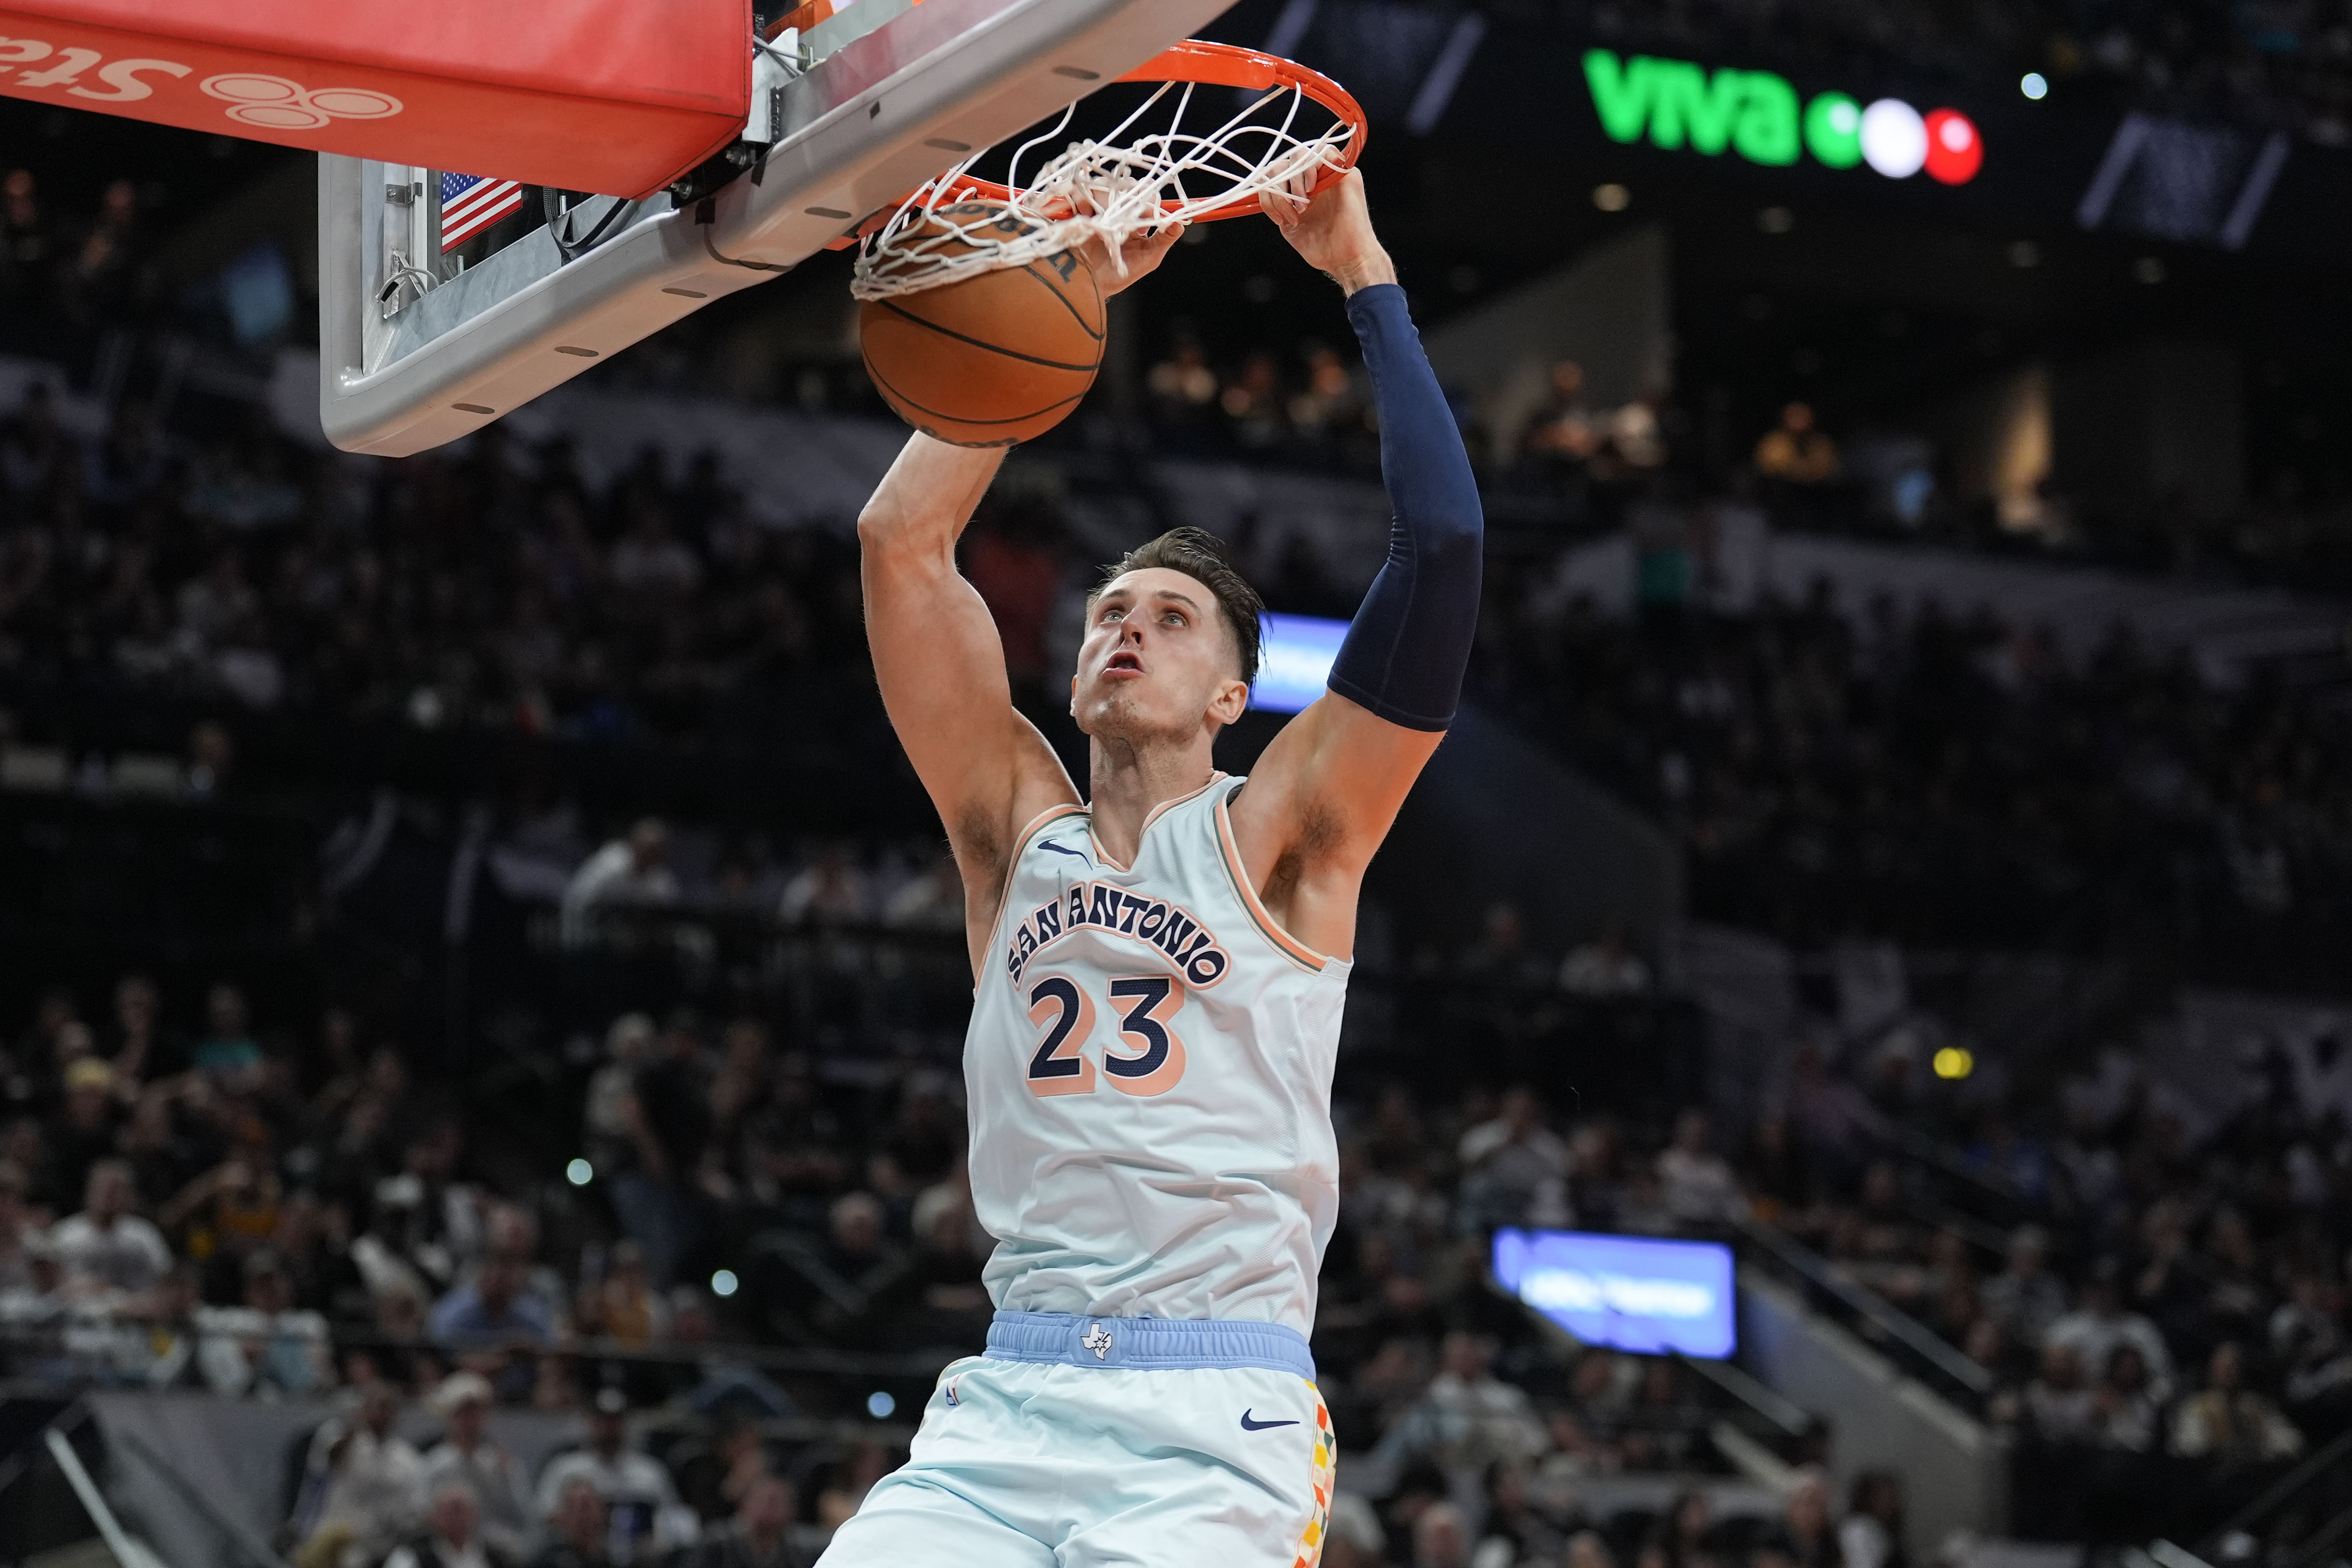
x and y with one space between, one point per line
1197 553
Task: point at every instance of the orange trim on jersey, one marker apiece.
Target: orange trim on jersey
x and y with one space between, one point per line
1296 949
1163 806
1013 863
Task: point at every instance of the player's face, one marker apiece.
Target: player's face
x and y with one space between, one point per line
1157 660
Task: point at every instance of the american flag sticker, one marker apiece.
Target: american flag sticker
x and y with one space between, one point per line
471 203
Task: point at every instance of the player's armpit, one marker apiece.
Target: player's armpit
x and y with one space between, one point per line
1318 805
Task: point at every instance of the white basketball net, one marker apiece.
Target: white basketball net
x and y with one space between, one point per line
1110 190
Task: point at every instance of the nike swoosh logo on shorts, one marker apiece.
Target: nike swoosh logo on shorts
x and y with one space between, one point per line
1250 1426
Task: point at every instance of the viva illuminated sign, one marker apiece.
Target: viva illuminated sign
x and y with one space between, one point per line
1758 115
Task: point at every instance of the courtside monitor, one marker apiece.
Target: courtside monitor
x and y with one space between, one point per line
1299 651
1631 1292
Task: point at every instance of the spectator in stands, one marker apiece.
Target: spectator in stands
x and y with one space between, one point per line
158 1350
1871 1534
628 1046
647 1519
2058 1402
949 1303
2306 1336
627 1306
932 901
2025 1298
107 1251
495 1308
837 1283
139 1051
1512 1523
1501 957
467 1455
1696 1182
1588 1548
712 1478
1605 966
1181 385
626 873
1252 402
831 891
1353 1537
450 1539
2100 1323
362 1486
24 236
1467 1419
660 1194
1795 452
1564 432
1514 1168
2130 1419
15 1228
1684 1535
267 1347
1805 1534
85 1131
579 1527
2230 1422
760 1535
228 1051
1441 1538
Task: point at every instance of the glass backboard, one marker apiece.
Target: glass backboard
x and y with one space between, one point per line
450 297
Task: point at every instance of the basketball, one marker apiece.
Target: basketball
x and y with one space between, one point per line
990 359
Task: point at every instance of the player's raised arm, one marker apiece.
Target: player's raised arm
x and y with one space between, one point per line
936 651
1322 797
941 667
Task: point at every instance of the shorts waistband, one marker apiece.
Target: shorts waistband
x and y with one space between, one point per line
1147 1345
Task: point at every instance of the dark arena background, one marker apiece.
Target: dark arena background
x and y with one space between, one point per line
480 985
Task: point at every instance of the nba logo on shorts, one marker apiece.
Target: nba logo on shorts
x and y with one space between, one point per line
952 1399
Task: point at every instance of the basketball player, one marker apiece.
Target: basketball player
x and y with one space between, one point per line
1161 963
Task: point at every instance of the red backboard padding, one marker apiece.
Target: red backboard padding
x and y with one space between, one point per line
613 95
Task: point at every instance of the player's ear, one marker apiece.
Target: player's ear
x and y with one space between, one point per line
1231 702
1074 694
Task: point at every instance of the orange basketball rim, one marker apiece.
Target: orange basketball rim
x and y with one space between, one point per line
1200 63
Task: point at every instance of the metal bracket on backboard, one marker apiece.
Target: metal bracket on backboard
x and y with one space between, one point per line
875 116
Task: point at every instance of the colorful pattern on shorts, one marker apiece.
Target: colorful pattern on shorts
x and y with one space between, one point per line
1327 1464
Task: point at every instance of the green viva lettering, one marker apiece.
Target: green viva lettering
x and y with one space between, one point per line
1681 104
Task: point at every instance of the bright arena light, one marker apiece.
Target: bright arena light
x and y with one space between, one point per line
878 1405
2034 85
1955 151
1954 1062
724 1283
1894 139
579 1172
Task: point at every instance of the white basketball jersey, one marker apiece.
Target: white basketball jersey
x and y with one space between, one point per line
1149 1072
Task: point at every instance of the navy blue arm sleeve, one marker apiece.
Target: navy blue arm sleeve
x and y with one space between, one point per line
1404 655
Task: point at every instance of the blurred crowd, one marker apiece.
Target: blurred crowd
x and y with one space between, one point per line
282 1214
1827 766
87 262
2173 1288
1952 779
286 1213
496 591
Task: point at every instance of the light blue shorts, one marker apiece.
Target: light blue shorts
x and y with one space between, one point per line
1109 1443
